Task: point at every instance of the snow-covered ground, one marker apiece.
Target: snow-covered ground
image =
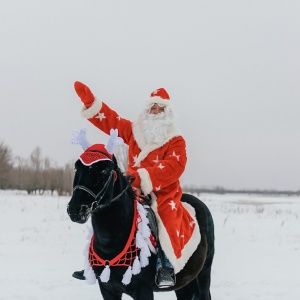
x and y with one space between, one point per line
257 249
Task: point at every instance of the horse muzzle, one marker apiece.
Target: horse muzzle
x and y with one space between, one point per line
79 216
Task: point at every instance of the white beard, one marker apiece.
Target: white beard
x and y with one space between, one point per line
155 128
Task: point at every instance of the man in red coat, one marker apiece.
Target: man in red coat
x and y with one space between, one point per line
156 158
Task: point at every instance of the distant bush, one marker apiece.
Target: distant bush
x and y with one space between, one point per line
35 174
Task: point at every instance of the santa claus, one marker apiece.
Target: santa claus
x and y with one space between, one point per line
157 159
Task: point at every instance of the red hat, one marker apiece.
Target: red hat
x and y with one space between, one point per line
94 154
159 96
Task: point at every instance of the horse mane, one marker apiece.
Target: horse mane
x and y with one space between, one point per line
123 181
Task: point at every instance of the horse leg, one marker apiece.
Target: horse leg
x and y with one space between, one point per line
143 292
108 294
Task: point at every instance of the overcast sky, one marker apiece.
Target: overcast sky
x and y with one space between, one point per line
232 69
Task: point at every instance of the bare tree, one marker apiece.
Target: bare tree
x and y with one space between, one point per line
19 173
5 165
68 178
35 174
36 169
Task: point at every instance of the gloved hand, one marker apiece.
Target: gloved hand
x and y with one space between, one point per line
84 93
137 180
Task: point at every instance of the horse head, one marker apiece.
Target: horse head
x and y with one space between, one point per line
93 182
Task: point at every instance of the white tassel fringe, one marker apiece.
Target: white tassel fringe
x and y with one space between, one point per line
105 275
127 276
136 267
89 274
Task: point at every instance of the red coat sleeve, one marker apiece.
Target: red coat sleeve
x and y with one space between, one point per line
106 119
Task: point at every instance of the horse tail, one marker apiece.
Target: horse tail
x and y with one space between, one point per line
199 288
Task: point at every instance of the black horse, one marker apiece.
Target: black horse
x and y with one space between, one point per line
102 191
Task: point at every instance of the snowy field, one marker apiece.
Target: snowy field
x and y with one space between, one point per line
257 249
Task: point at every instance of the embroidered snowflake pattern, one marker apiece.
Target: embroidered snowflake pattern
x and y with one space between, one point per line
174 154
160 166
100 116
178 234
173 205
158 188
156 160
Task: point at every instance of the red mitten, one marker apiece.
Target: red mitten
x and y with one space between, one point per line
84 93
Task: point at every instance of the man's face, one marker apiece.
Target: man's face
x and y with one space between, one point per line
156 109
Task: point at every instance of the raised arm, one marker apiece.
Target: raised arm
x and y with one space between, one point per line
101 115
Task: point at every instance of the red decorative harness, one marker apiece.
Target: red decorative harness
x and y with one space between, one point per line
127 255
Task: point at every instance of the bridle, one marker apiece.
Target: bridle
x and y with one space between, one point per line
99 196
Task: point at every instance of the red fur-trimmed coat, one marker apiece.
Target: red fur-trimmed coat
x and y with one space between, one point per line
159 167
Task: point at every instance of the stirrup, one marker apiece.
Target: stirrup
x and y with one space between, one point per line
79 275
165 277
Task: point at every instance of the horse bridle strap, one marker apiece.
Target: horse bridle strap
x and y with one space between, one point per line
127 186
95 196
82 187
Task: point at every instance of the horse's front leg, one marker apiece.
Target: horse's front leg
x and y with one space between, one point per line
109 294
144 291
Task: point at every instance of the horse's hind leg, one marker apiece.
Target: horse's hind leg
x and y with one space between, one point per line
198 289
187 292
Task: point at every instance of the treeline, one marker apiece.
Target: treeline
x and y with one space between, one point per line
34 174
37 175
221 190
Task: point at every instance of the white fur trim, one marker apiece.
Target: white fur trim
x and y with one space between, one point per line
92 110
146 183
147 148
190 247
159 100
